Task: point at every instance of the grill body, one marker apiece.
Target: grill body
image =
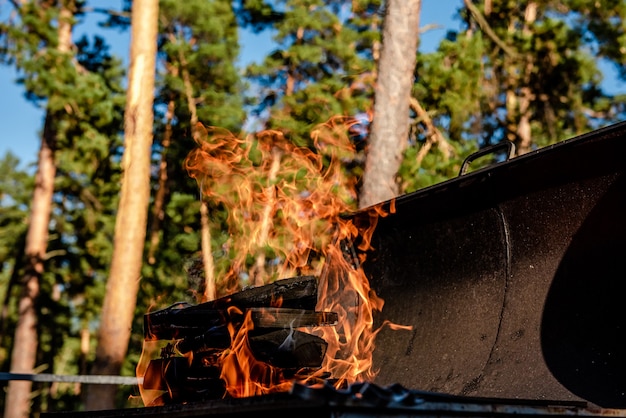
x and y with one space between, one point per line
511 278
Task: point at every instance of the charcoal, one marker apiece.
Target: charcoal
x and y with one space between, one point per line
216 337
165 371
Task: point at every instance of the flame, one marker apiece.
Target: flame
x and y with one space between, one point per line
243 375
285 205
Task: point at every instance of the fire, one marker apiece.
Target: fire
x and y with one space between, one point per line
243 374
285 205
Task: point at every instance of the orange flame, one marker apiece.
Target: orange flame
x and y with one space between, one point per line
245 376
285 205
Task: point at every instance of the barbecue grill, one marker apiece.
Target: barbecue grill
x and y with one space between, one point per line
510 277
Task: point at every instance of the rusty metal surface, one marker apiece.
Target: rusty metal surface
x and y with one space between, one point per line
511 278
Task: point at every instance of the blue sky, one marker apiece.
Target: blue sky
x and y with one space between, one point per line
21 121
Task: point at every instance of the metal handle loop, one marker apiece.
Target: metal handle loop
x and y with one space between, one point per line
491 149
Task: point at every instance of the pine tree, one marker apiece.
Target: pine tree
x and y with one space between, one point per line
15 194
86 199
523 72
390 129
541 75
130 228
25 343
78 84
199 83
321 67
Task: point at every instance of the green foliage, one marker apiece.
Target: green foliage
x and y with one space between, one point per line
319 69
476 83
257 14
603 21
434 168
451 81
15 192
207 49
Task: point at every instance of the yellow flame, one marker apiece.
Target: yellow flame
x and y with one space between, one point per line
288 201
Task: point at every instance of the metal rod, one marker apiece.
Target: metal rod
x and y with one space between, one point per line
89 379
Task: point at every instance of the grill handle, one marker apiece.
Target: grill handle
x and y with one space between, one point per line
505 145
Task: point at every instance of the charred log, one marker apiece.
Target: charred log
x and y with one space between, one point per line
182 319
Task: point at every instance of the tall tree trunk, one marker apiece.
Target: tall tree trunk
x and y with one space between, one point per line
523 143
210 286
265 224
130 228
25 344
158 213
390 126
24 352
85 339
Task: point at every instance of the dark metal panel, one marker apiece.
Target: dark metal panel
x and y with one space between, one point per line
510 277
451 276
583 323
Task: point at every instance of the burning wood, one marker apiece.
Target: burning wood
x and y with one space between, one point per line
292 200
270 319
183 319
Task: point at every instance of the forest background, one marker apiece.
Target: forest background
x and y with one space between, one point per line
529 72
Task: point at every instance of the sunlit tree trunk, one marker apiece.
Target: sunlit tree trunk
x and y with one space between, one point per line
24 352
390 125
25 344
130 228
158 213
210 288
524 134
265 224
519 93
